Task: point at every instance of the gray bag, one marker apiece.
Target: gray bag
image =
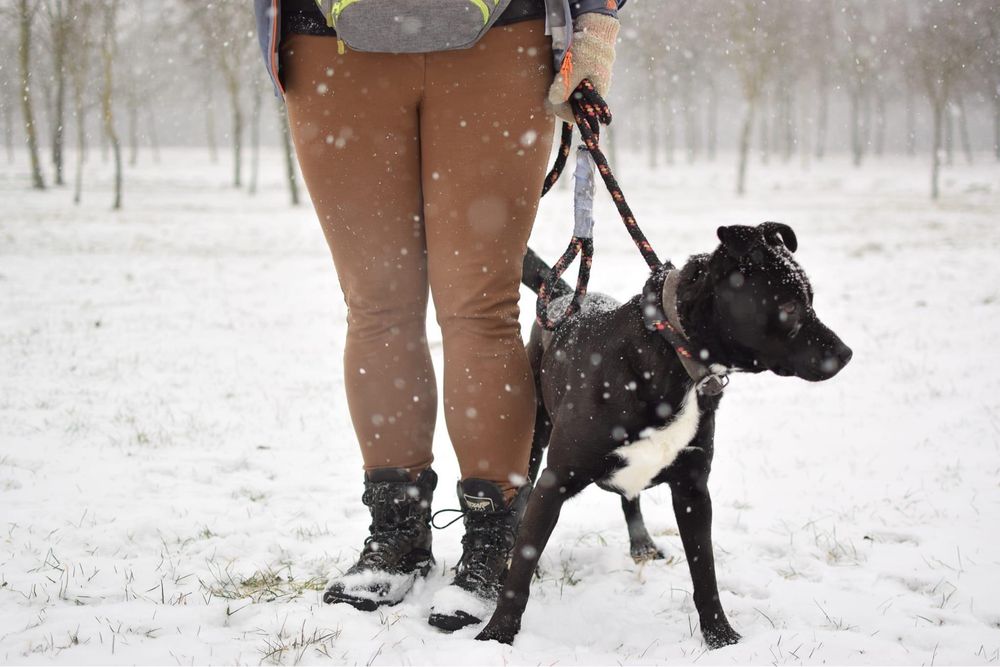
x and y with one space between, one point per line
411 26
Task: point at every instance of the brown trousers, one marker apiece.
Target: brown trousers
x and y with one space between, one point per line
425 171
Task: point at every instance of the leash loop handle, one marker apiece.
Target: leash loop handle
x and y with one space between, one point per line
590 109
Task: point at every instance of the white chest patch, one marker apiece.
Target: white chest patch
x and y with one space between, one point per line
656 449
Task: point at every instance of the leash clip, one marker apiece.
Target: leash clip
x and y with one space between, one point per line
712 384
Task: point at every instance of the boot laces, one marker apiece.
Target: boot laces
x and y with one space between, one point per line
486 545
393 528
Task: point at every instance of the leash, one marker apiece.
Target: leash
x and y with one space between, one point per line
590 111
660 314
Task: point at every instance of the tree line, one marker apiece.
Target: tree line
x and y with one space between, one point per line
780 79
101 66
783 63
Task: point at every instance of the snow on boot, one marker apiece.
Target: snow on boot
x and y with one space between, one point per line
490 530
398 547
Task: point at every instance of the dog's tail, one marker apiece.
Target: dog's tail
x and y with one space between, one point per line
534 271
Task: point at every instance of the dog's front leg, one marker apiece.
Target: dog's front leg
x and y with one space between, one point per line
540 518
693 509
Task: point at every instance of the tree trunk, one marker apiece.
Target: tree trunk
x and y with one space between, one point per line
936 147
963 130
802 136
79 66
822 113
856 151
255 140
108 52
60 44
653 125
765 130
154 138
8 132
789 114
741 174
996 126
949 135
879 122
911 122
24 14
213 146
669 131
866 121
233 86
79 111
286 140
691 129
81 141
713 120
132 110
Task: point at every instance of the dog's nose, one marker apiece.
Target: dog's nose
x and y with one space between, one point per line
834 359
844 354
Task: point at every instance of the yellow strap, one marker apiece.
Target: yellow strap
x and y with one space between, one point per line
484 9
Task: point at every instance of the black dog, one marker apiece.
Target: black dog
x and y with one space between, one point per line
628 394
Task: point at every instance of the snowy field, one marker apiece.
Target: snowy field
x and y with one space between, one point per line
178 474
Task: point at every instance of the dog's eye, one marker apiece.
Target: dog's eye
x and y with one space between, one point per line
787 311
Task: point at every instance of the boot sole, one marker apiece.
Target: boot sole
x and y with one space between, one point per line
367 604
453 622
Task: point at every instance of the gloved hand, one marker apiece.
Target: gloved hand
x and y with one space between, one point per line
591 56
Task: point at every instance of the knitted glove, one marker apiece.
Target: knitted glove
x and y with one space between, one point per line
591 56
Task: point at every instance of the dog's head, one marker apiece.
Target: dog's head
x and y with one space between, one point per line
763 306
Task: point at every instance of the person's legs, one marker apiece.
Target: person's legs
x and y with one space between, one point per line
354 121
485 139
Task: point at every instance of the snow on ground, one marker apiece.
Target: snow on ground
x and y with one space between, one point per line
178 473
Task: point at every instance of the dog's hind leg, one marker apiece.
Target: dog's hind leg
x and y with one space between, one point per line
540 439
641 545
554 487
543 425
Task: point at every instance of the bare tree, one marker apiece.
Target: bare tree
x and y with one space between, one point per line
9 90
258 94
8 131
208 89
108 51
80 44
943 42
25 11
60 25
857 65
754 31
819 49
225 27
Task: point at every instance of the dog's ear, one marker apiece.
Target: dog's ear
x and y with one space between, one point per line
777 233
738 239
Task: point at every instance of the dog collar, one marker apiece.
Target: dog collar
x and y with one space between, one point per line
660 314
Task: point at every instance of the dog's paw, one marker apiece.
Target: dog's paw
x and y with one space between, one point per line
720 635
498 632
647 551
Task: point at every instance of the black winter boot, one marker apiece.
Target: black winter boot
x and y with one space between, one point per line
490 530
398 547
